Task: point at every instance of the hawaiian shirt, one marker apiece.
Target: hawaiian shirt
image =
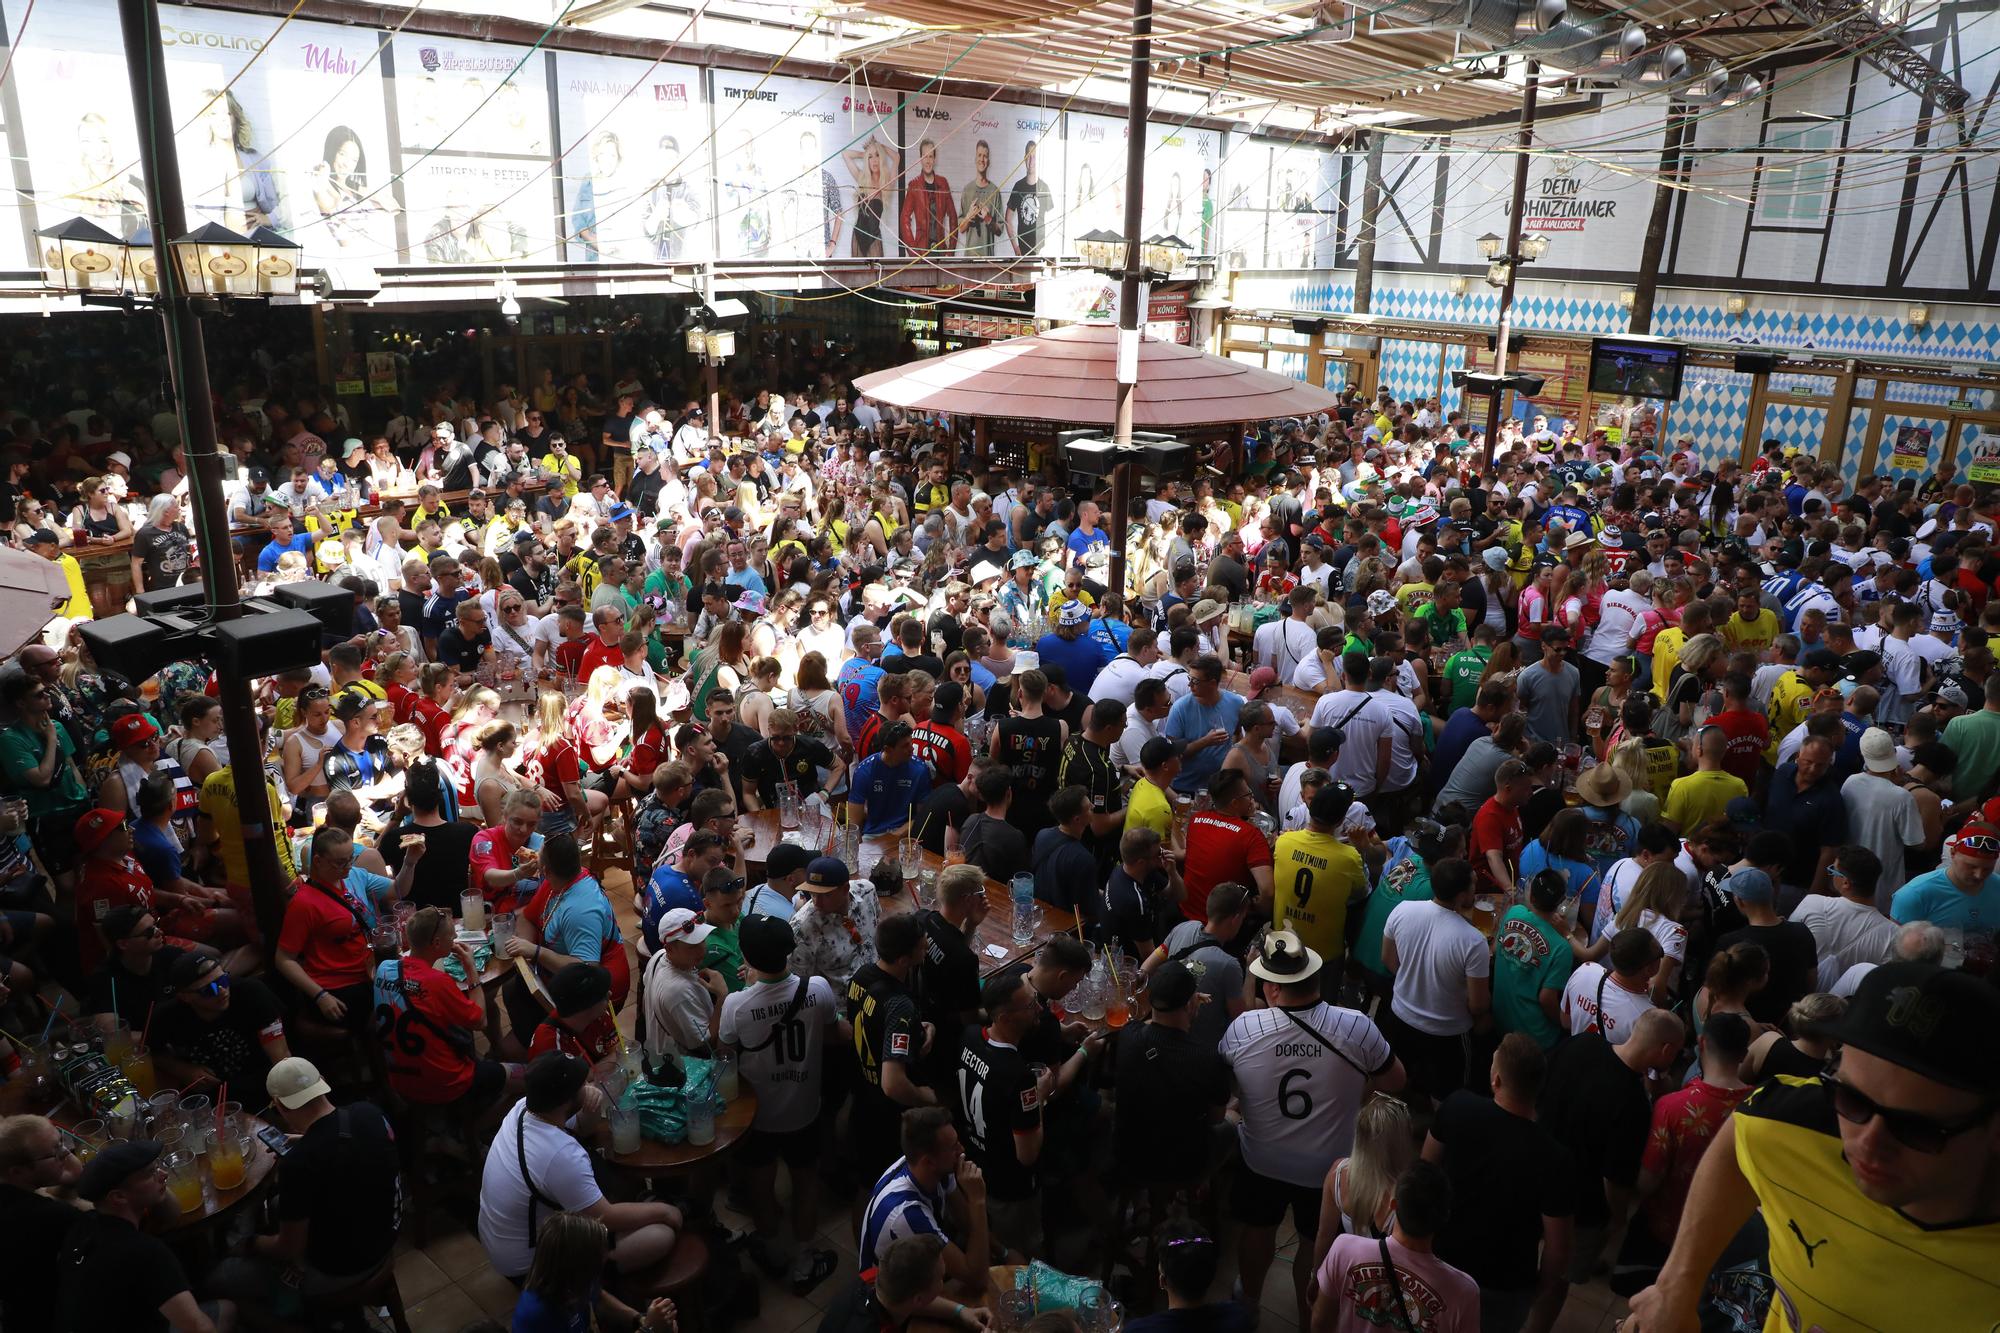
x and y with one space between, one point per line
835 947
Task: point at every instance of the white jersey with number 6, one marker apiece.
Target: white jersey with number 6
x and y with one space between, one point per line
1301 1090
781 1056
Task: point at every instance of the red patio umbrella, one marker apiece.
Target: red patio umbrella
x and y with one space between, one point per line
1069 375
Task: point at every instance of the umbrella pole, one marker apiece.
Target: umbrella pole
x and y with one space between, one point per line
1131 283
187 361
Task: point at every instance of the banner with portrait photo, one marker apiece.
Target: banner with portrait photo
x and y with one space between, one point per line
290 137
998 166
804 170
1181 184
1093 176
473 120
636 170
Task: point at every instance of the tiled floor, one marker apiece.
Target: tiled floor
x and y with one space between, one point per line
448 1286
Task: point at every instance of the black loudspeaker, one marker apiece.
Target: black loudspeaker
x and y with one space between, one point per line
1752 363
1312 327
1484 383
265 644
1167 458
185 597
328 603
1088 458
1526 385
134 646
1515 342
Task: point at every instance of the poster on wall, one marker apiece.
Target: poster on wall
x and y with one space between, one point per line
285 131
991 192
636 166
485 204
1093 176
1912 450
1181 184
804 170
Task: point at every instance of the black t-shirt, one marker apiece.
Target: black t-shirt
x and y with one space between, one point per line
1507 1173
1596 1106
898 663
341 1176
1029 202
950 974
1065 872
886 1031
946 807
997 1099
1046 1044
1031 747
1794 966
763 769
412 606
620 431
1087 764
1221 1317
1230 573
164 555
1169 1089
136 995
994 845
1129 910
231 1046
855 1310
454 649
439 877
33 1229
456 469
114 1277
736 747
643 490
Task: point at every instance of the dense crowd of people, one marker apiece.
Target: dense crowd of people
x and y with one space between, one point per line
1532 866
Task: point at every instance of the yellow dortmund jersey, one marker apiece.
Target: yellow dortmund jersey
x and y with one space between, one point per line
1148 807
1666 652
1750 635
1839 1259
1316 875
78 605
569 467
587 573
1789 697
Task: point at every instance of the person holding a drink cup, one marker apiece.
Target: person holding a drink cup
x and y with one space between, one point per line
323 946
427 1021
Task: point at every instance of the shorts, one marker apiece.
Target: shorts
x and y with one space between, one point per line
1259 1201
1436 1065
489 1078
797 1148
557 822
1017 1223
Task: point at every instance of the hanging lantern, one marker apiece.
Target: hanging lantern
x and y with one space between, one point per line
142 264
80 256
217 261
277 262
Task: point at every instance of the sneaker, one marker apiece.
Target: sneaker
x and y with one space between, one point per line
813 1267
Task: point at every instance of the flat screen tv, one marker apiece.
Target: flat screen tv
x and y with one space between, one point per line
1636 367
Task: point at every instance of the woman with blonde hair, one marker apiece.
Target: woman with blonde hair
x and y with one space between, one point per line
1803 1054
814 699
1701 661
556 765
100 517
1360 1189
754 703
1654 903
494 778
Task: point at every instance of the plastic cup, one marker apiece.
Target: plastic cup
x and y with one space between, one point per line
225 1162
117 1041
472 912
184 1180
701 1121
624 1131
503 929
727 1079
197 1118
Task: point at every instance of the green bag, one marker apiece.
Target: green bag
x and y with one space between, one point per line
663 1112
1053 1289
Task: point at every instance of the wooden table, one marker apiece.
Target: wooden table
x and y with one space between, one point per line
661 1159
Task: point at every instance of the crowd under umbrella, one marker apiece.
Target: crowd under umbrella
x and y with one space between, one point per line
1068 376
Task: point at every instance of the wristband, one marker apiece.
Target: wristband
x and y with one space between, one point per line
321 996
538 954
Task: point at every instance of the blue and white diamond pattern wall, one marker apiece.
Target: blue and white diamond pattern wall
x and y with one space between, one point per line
1891 424
1711 411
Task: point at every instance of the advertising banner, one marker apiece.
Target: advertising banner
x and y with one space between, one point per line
996 166
636 161
805 170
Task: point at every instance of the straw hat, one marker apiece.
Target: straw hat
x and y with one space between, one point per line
1604 786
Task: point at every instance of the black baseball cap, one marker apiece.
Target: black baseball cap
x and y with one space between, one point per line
1936 1022
785 859
114 1164
767 942
1158 751
554 1080
1171 988
1821 659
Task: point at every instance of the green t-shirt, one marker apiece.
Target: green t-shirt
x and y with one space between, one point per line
1462 671
21 752
1446 628
725 955
1529 957
1407 881
1975 739
675 592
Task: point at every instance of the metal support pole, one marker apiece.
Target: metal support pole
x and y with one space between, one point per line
1364 245
1131 283
1646 289
187 362
1525 142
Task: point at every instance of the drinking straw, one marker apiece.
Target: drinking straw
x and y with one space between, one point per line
49 1026
147 1027
114 994
221 1099
1114 968
11 1037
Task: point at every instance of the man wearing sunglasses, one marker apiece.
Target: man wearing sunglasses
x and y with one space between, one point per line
1879 1183
229 1026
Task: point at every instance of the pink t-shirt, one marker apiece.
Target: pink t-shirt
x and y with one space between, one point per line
1437 1298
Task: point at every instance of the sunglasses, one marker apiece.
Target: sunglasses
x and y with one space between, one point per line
1983 844
1918 1133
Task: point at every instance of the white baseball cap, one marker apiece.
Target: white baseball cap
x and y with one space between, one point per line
294 1081
683 926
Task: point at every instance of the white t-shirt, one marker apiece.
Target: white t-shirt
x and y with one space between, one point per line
560 1169
1620 618
1621 1007
678 1008
1437 951
1618 882
1138 730
1363 719
1180 681
1118 678
1301 1092
1846 932
1283 644
783 1066
1311 672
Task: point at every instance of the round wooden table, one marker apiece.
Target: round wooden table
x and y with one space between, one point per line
661 1159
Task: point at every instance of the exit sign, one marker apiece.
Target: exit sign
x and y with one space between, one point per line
1802 391
1959 405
